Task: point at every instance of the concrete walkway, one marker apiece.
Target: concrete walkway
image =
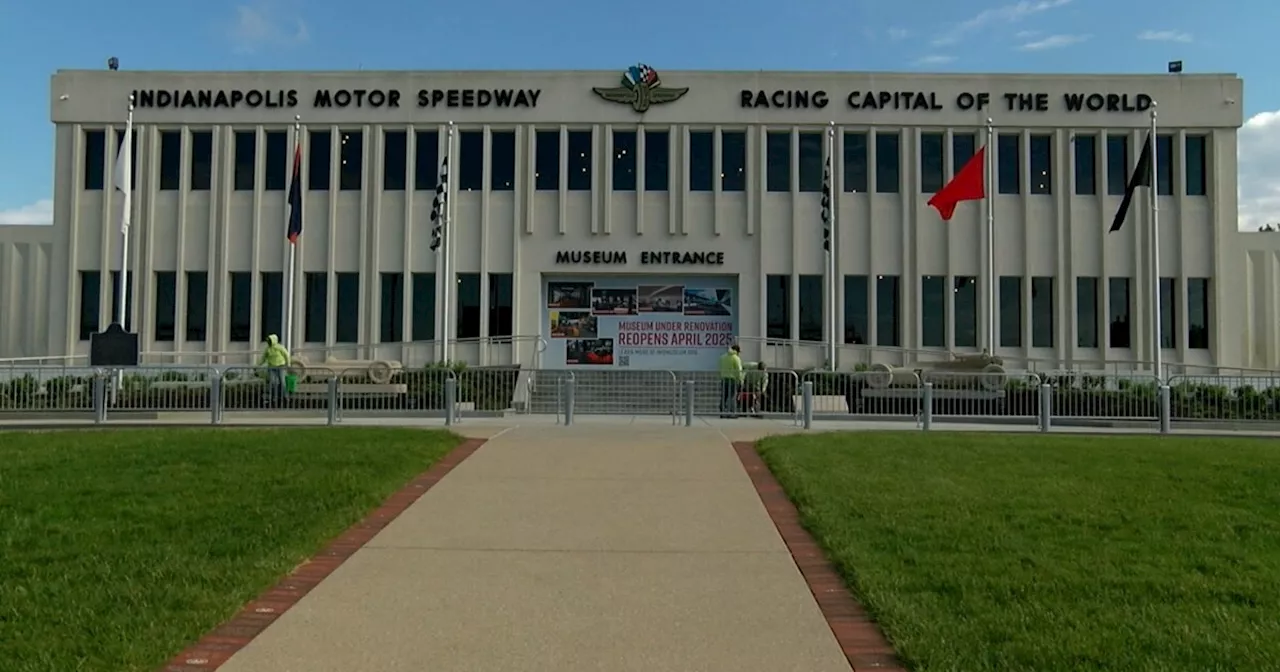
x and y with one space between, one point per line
592 547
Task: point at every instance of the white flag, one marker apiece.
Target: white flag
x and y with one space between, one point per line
124 175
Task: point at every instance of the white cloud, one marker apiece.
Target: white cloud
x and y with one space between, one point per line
1164 36
1025 35
265 25
1259 165
1053 42
897 34
934 60
40 212
1004 14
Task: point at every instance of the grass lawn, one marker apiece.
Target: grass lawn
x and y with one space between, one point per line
119 548
982 552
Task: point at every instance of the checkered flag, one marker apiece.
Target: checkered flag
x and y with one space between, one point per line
826 205
439 206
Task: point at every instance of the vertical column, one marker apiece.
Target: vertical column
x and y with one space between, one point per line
642 174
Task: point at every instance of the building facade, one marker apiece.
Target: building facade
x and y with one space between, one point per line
646 222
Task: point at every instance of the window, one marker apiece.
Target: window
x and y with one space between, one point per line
811 159
348 308
811 309
933 311
316 318
502 160
171 160
701 168
1086 148
1164 165
166 305
395 160
470 160
246 159
1087 312
115 299
855 163
1168 313
422 324
1194 153
1042 312
733 161
1119 333
271 319
134 149
318 161
624 160
963 147
90 303
197 312
778 161
201 160
350 160
279 165
1117 164
1010 311
1041 164
579 162
888 312
657 156
1198 313
931 178
391 313
546 176
856 324
95 161
241 304
501 303
468 305
426 160
1009 164
965 297
888 163
778 307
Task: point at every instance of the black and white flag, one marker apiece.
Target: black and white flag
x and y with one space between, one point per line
439 206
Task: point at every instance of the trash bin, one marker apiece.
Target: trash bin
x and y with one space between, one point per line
290 383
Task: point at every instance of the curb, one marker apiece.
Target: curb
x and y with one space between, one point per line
863 643
218 646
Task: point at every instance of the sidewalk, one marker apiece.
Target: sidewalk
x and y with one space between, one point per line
593 547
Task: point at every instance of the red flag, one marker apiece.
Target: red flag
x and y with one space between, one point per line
967 185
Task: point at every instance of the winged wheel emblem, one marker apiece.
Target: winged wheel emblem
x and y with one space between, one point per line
641 88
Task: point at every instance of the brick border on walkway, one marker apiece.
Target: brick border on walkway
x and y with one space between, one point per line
215 648
862 641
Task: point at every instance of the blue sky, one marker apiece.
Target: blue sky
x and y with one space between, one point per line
1051 36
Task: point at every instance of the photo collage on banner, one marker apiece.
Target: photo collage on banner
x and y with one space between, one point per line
679 324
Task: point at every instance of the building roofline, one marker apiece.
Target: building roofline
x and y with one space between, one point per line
495 71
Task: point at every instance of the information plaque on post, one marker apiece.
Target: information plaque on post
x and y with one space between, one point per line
113 347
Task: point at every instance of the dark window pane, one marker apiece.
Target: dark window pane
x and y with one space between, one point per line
933 311
1009 167
811 309
115 299
888 164
90 303
171 160
1198 313
423 323
856 319
778 307
1042 312
395 160
246 159
241 304
502 160
888 311
201 160
657 156
1117 164
855 163
931 177
812 156
546 175
778 161
624 161
501 304
470 160
95 159
316 319
1042 164
1086 147
348 303
701 161
391 309
1087 312
271 320
579 164
426 160
963 146
1010 311
1168 313
468 325
1120 334
1164 165
351 160
965 296
197 313
166 305
321 144
1197 183
279 164
733 161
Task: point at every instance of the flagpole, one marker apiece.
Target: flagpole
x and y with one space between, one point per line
832 337
126 215
989 155
290 282
1152 193
446 246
